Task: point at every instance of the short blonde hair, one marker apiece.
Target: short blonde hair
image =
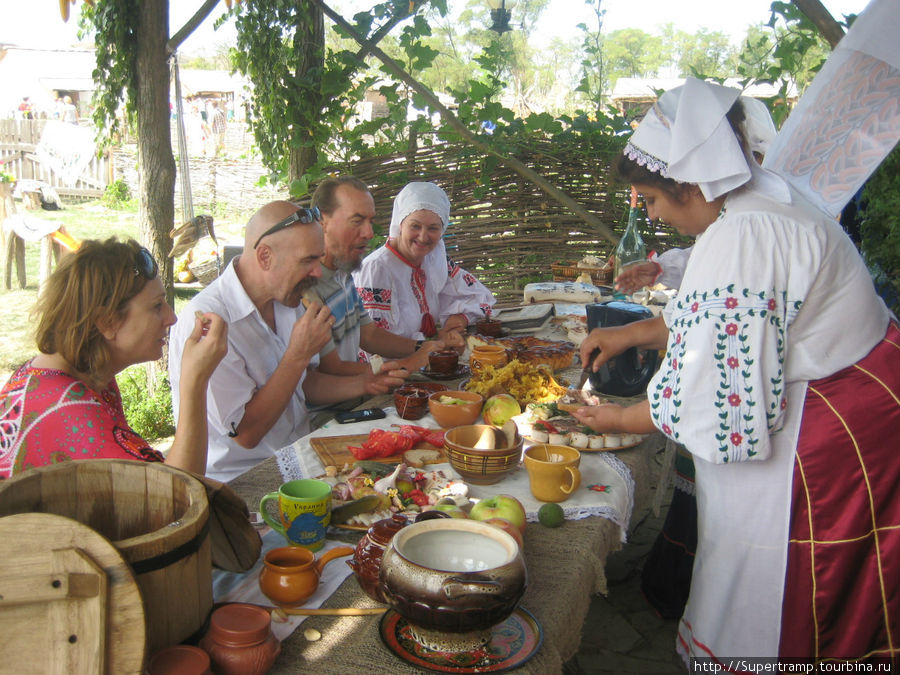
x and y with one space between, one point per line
93 286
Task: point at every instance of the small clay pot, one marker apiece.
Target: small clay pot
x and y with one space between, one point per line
240 640
489 327
367 561
444 361
411 401
488 355
180 660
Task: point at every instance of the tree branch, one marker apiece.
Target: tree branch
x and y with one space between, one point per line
451 119
175 41
815 11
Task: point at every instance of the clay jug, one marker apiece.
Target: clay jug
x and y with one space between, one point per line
290 574
366 563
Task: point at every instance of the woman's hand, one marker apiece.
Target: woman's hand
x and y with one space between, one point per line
601 418
205 348
636 276
609 341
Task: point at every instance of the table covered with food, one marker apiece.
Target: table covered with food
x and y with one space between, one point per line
470 459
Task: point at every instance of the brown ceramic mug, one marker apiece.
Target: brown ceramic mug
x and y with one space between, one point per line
489 327
291 574
444 361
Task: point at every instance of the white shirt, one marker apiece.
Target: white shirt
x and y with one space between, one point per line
396 303
254 352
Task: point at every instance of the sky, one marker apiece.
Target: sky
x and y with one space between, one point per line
21 26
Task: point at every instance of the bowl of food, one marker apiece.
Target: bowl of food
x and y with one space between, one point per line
455 408
482 454
452 579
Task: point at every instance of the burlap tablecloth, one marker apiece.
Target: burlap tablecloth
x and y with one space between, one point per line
565 567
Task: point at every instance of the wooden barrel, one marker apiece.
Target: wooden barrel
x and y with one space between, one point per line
157 518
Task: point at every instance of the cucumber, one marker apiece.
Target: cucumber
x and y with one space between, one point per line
371 466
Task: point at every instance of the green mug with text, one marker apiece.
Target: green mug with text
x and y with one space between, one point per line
304 512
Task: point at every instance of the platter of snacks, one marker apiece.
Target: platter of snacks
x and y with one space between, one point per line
551 423
383 445
369 491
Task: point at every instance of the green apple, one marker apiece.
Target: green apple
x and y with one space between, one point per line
500 506
499 408
451 509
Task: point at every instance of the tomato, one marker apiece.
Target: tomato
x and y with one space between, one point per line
435 438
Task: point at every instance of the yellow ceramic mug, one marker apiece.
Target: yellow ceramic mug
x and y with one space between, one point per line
304 510
552 471
488 355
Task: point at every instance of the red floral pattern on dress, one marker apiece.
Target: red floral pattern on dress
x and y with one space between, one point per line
721 325
47 416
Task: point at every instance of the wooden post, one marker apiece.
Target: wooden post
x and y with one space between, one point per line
46 264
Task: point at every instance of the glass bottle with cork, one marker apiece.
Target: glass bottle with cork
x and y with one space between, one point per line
631 248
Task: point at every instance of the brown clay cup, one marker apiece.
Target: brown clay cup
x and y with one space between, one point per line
553 473
411 401
443 362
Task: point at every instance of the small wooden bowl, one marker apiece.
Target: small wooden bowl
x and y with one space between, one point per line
450 415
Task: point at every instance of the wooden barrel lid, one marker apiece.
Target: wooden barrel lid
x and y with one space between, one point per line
38 536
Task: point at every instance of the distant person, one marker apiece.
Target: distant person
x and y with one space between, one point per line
198 132
409 285
103 309
26 109
259 392
69 111
219 126
347 215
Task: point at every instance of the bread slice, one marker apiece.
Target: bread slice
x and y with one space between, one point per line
311 295
418 458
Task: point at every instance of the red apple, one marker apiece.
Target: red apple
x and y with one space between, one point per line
500 506
509 528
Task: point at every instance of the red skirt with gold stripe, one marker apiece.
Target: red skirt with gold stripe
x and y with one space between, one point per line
842 586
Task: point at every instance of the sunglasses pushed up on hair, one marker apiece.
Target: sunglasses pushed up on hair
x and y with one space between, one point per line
144 264
303 216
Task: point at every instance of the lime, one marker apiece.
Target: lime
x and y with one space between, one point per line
551 515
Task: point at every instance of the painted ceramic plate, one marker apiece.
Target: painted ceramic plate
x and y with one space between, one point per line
461 370
513 642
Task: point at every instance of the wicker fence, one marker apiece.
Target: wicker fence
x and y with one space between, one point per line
509 232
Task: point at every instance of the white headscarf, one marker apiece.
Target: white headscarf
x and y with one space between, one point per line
428 197
686 136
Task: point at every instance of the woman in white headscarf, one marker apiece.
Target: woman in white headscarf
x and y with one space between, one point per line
782 379
410 286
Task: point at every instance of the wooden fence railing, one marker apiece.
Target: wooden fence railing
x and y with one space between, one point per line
19 140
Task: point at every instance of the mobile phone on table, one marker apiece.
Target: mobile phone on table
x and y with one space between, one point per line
360 415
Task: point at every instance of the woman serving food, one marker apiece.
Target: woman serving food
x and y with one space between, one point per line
784 408
102 310
409 285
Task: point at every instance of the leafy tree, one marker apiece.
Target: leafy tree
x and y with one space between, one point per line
594 79
631 52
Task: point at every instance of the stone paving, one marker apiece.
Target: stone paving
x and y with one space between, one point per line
622 633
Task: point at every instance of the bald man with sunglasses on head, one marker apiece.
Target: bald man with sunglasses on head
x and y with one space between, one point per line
258 395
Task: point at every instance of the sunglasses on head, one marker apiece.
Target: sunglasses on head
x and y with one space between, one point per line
302 216
144 264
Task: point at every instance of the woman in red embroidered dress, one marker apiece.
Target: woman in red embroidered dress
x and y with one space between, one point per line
102 310
782 379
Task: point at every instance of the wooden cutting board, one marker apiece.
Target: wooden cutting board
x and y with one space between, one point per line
334 450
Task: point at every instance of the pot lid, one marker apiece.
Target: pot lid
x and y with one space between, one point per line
238 623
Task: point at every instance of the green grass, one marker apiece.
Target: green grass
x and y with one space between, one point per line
87 220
